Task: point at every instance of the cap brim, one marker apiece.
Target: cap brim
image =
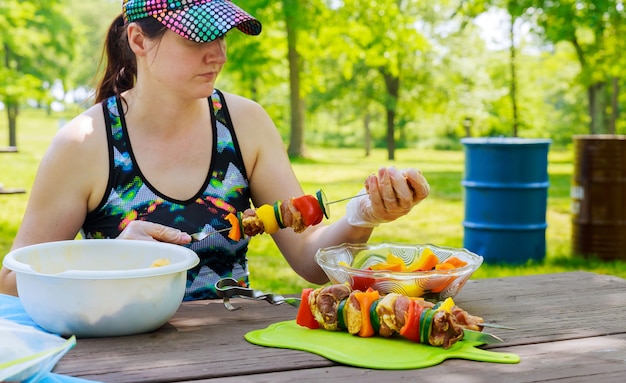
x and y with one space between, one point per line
208 21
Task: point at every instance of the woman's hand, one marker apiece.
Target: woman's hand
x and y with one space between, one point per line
150 231
392 194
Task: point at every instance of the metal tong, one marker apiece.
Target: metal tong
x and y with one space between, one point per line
227 288
482 337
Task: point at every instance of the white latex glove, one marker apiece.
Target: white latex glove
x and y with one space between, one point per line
391 194
150 231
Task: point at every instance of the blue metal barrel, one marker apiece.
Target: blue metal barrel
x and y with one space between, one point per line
506 191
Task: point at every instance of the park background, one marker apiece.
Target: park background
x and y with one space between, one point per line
353 85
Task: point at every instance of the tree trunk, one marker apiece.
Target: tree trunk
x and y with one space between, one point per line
296 142
467 126
12 112
391 141
597 103
393 90
592 105
12 106
595 96
368 134
614 106
513 79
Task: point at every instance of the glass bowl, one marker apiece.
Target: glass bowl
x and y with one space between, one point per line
351 263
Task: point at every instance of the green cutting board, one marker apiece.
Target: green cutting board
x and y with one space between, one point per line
375 352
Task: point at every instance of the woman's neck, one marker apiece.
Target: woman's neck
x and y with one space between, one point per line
162 114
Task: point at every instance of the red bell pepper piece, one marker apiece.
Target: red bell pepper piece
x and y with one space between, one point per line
305 316
411 328
310 209
362 283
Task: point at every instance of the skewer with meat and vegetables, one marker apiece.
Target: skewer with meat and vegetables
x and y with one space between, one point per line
367 313
297 213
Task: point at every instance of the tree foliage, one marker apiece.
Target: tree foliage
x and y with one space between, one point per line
589 26
90 30
369 72
35 53
594 29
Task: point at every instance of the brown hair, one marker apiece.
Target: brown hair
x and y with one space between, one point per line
121 66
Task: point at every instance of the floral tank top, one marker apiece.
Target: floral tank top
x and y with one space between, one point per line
130 197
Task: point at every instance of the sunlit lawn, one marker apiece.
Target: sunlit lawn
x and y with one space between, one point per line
340 173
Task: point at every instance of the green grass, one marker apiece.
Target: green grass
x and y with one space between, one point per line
340 173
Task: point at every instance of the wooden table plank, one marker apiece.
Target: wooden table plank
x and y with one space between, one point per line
194 343
602 359
4 190
549 307
553 315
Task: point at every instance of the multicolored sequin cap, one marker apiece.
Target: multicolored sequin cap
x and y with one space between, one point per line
196 20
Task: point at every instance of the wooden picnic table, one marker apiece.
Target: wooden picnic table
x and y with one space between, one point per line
568 327
3 190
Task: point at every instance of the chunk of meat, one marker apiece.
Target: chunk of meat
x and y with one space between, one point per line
324 304
467 320
445 331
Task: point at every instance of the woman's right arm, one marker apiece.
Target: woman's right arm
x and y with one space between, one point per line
71 180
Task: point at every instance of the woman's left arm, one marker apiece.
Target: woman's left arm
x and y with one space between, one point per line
272 178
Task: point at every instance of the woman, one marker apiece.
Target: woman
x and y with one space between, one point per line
163 154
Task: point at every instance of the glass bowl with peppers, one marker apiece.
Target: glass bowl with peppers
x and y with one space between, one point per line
416 270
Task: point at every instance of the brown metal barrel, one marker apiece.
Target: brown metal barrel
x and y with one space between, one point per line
598 196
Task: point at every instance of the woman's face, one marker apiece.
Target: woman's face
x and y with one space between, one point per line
183 66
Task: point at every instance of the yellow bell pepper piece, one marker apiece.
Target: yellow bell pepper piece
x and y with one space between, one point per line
267 216
344 264
447 305
395 260
386 266
426 261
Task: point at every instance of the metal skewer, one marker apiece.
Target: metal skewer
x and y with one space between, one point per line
482 337
195 237
347 198
199 236
494 325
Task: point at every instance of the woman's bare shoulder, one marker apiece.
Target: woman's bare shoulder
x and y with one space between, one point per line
249 116
236 99
83 130
261 144
83 137
239 105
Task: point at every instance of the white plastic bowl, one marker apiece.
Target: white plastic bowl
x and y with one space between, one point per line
100 287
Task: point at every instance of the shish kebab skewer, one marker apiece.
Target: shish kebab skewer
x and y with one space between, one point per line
297 213
366 313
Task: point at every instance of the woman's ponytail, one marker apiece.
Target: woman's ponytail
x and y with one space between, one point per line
121 65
